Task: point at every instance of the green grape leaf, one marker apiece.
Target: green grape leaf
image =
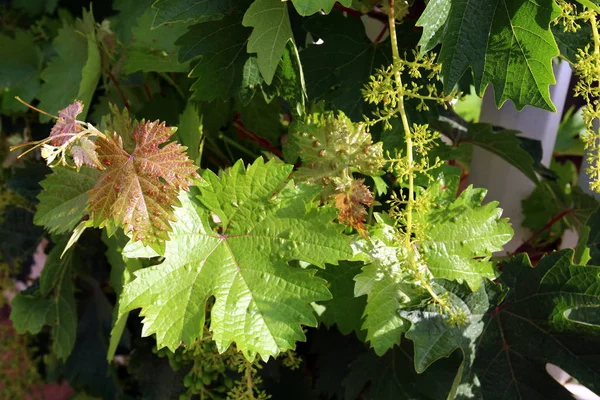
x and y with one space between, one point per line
126 19
310 7
35 7
389 287
19 71
570 42
507 43
25 181
433 21
75 71
189 131
593 239
156 377
542 319
221 45
570 128
53 304
241 262
272 30
56 281
462 233
393 376
138 190
153 50
329 144
262 119
337 69
30 312
435 337
505 143
63 200
288 81
559 202
344 309
169 11
121 273
19 235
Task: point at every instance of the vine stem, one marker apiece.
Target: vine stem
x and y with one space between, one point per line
596 37
409 153
249 383
595 34
402 112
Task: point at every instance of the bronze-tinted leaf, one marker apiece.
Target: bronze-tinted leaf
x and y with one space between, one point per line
137 191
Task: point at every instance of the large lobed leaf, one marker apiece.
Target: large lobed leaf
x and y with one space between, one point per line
507 43
546 317
260 301
138 190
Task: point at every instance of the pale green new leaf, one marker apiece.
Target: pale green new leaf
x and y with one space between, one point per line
189 132
74 73
272 30
169 11
388 286
462 233
433 20
507 43
309 7
63 201
261 301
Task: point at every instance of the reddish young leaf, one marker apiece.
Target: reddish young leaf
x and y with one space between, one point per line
66 123
350 202
138 191
85 154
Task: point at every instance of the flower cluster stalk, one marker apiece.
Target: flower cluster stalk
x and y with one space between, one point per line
405 125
